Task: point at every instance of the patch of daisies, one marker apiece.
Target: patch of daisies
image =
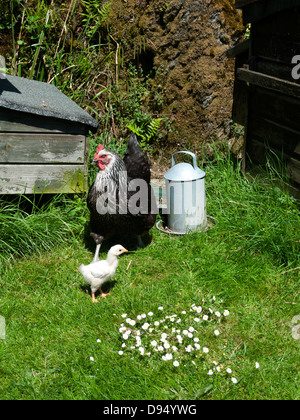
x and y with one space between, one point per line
193 335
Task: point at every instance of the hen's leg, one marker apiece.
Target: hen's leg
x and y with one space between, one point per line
102 294
140 242
98 239
93 298
96 256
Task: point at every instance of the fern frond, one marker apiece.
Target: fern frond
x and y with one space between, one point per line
152 128
136 130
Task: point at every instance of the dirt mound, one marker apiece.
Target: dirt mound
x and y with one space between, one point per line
189 39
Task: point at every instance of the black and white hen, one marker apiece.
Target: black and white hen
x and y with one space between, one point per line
121 199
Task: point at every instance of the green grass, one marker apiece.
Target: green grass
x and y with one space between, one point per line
250 259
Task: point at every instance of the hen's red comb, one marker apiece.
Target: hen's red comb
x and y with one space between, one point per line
100 147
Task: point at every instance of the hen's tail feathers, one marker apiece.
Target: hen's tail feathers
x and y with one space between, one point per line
137 164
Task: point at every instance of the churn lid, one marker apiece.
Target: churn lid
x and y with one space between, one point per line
184 171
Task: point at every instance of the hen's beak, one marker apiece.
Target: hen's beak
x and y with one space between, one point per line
94 161
125 250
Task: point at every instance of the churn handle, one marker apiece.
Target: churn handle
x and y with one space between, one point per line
188 153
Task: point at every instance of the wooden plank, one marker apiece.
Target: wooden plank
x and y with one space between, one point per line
238 49
15 121
278 48
282 24
41 148
293 168
277 136
240 93
242 3
42 179
276 69
274 106
269 82
255 11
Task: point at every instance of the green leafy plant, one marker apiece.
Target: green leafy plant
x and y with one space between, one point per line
146 131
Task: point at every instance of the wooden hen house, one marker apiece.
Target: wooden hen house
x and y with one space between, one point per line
43 139
267 83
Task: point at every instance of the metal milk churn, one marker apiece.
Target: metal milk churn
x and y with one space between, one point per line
186 203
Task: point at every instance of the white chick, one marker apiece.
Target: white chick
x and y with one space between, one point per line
97 273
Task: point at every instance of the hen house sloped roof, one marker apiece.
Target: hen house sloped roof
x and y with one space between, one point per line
39 98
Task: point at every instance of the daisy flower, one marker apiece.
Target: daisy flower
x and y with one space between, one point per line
145 326
210 372
217 313
228 370
175 363
121 352
257 365
153 343
205 350
234 380
160 308
92 359
205 317
226 312
217 332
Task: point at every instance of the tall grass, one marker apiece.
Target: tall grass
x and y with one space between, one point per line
255 212
28 227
